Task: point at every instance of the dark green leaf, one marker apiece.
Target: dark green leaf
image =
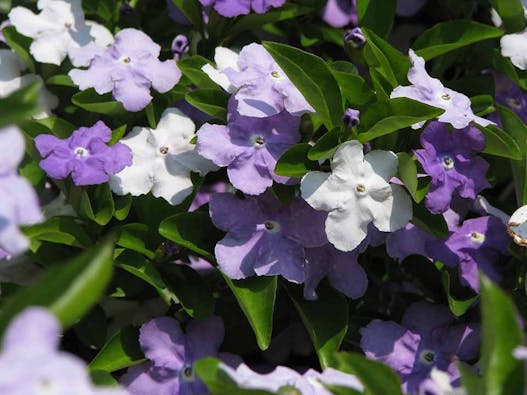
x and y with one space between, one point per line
256 297
512 14
500 143
121 351
376 15
192 11
408 174
432 223
294 162
353 88
457 307
20 44
20 105
325 319
313 78
60 230
472 384
451 35
325 145
134 236
90 101
61 80
191 68
210 101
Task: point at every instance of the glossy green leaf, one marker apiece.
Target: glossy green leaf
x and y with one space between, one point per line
432 223
376 15
90 100
69 290
294 162
122 204
20 105
511 13
408 173
387 117
313 78
210 101
502 373
325 146
325 319
121 351
354 88
20 44
60 230
451 35
256 297
500 143
134 236
192 230
191 68
457 307
61 80
377 378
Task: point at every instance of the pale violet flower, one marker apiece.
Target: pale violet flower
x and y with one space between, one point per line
11 80
163 159
224 58
431 91
58 30
358 192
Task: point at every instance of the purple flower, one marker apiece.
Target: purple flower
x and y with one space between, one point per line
476 244
85 155
180 46
427 338
450 159
32 340
128 69
171 355
410 240
431 91
409 7
232 8
249 148
355 37
263 87
340 13
19 202
205 192
351 117
510 95
264 237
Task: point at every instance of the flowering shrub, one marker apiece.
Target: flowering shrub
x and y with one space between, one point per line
235 197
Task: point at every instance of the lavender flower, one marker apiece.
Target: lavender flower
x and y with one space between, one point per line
410 240
128 69
20 204
340 13
85 155
180 46
428 338
351 117
476 245
510 95
264 237
171 355
431 91
249 148
263 87
232 8
355 37
32 339
450 159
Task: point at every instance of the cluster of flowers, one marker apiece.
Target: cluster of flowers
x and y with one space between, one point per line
333 217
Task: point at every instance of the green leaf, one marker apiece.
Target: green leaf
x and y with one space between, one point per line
377 378
501 334
191 68
94 203
500 143
256 297
449 36
134 236
354 88
313 78
294 162
376 15
512 14
325 319
472 384
385 59
432 223
91 101
408 173
120 352
192 11
192 230
60 230
20 105
122 207
386 117
20 44
61 80
69 290
457 307
140 267
325 145
210 101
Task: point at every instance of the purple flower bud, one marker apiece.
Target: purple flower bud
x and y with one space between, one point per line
355 37
351 117
180 46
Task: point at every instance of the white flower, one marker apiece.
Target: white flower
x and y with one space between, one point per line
224 59
57 30
11 67
163 159
514 46
517 226
358 192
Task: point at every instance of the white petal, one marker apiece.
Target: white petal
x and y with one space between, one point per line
226 58
100 34
218 77
171 183
392 213
517 226
29 24
12 147
384 163
52 49
348 160
323 191
514 46
348 227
